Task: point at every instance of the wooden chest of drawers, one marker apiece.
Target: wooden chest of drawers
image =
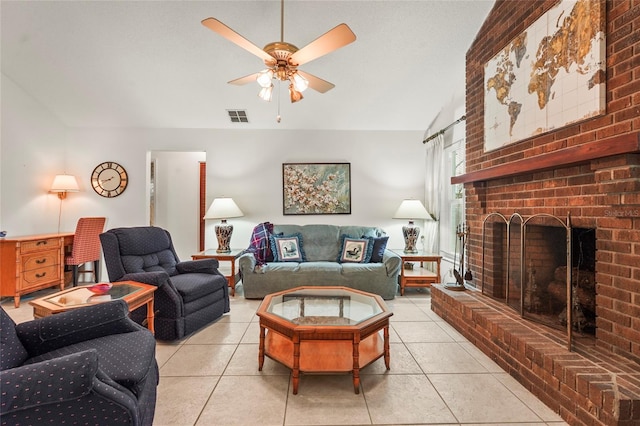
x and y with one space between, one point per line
31 263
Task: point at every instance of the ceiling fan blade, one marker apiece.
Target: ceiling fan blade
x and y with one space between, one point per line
316 83
244 80
332 40
218 27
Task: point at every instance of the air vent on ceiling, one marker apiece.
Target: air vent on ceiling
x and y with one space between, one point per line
238 115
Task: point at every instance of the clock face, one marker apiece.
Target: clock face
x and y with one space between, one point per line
109 179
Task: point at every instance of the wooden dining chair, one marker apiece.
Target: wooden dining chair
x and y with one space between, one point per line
86 247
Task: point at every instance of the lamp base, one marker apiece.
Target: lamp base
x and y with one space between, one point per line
223 234
411 233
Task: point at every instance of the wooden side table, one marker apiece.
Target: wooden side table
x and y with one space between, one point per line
223 257
419 276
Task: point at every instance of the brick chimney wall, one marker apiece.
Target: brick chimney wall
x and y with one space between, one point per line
601 193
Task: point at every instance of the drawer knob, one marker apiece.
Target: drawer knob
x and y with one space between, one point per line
41 275
41 261
41 242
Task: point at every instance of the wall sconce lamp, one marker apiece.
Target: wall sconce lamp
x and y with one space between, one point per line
411 209
63 184
223 208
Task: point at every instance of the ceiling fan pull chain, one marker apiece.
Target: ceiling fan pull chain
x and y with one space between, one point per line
279 117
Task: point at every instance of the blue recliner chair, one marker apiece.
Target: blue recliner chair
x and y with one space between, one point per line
87 366
190 294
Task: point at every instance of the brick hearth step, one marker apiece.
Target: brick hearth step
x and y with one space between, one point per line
586 386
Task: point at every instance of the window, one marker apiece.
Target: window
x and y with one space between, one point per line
452 201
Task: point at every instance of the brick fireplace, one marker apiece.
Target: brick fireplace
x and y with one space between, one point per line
589 171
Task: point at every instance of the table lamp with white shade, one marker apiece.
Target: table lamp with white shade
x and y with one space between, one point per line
223 208
412 210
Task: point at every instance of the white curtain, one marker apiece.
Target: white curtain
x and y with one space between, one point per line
434 186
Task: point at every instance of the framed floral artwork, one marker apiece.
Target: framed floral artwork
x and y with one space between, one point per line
316 188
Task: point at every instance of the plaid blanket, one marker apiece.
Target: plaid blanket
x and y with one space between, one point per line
259 243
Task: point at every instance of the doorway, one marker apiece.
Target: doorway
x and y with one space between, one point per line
175 197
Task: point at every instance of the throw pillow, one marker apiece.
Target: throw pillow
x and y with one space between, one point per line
287 248
379 246
356 250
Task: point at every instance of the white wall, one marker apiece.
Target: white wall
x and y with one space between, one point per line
33 150
386 167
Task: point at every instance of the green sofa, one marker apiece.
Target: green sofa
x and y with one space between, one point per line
322 246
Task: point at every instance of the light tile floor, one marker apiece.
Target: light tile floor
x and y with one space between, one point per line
437 378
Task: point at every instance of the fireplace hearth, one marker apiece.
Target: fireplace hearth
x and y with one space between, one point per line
586 386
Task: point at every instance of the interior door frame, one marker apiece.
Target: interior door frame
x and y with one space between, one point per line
203 202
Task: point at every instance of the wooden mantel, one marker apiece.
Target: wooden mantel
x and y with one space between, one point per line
623 144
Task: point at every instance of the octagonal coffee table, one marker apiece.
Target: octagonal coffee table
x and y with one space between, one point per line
324 330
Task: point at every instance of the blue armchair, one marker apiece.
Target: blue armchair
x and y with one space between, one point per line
87 366
190 294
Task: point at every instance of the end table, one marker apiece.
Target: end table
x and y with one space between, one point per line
223 257
420 276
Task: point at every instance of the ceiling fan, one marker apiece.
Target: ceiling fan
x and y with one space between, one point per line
283 59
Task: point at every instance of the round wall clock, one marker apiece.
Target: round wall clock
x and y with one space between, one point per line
109 179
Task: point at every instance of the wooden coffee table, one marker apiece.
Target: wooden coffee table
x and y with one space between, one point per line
134 293
324 330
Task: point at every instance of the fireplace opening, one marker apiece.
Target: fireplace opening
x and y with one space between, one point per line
545 277
525 265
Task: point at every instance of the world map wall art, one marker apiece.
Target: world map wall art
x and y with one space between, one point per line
550 76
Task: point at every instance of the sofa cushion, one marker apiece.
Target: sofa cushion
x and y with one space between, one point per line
320 267
356 231
281 267
161 261
12 352
194 286
321 242
356 250
379 246
126 358
356 269
287 248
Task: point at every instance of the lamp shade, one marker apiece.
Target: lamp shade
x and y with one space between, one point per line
266 93
299 82
64 183
264 78
223 208
411 209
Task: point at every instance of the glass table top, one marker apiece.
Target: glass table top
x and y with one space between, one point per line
82 295
329 307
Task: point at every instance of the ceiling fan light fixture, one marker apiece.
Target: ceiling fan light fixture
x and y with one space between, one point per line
299 82
264 78
294 94
282 73
266 93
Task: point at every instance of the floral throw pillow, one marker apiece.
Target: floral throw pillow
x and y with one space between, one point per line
287 248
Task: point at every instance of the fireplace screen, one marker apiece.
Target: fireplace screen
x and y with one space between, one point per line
525 264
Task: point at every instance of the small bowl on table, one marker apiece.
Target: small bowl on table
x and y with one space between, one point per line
101 288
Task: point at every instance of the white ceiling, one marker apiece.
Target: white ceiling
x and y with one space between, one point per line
152 63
